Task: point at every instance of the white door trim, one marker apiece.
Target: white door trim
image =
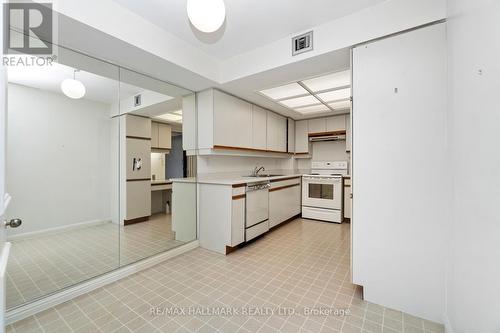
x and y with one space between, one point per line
95 283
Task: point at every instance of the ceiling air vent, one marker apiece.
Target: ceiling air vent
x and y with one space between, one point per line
302 43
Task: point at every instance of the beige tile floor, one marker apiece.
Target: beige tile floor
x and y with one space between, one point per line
43 264
301 265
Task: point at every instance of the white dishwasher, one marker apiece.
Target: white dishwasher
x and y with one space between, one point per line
257 210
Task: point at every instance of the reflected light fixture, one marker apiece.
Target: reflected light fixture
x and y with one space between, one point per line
206 15
72 87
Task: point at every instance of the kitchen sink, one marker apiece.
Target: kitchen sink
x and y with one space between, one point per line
264 175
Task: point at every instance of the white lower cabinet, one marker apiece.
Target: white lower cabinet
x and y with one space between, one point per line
347 198
237 220
284 200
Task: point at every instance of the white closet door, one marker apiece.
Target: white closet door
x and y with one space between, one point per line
399 176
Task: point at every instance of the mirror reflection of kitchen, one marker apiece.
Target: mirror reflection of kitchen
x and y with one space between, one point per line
151 122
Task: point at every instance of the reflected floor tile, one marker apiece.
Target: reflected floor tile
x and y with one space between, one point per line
301 265
46 263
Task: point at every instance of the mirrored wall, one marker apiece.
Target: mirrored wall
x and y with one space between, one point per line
96 171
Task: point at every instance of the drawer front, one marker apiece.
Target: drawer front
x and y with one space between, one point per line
239 190
322 214
256 230
281 183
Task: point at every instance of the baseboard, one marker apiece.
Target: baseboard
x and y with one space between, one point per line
56 230
62 296
447 324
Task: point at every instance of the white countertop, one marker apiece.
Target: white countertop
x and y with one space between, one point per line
225 179
221 179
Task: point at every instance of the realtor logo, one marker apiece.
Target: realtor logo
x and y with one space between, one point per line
28 28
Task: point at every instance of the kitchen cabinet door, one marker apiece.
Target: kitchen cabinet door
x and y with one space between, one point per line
347 198
301 137
164 136
154 135
237 221
348 138
138 199
284 204
336 123
259 128
232 121
138 126
138 159
317 125
291 136
276 132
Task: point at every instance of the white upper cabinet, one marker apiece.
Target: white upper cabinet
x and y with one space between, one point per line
232 121
161 136
291 135
226 122
276 132
317 125
139 127
164 136
301 136
336 123
259 128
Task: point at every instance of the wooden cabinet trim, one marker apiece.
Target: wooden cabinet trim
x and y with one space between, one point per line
283 187
136 220
249 149
239 185
139 180
312 135
283 179
138 137
241 196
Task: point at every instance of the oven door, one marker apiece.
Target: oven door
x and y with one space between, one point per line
322 192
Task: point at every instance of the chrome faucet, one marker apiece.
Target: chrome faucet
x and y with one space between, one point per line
256 170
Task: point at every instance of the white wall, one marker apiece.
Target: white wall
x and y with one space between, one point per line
324 151
58 159
373 22
240 164
473 295
158 165
400 178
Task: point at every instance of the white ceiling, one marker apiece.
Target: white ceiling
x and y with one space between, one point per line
49 78
249 23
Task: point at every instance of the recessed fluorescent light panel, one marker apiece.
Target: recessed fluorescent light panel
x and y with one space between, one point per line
313 109
325 93
171 117
300 101
286 91
328 82
335 95
340 105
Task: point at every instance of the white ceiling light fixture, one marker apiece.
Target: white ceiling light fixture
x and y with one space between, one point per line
206 15
313 109
73 88
300 102
327 93
330 81
284 92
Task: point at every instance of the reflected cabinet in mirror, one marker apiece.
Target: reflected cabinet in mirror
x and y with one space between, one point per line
158 199
96 170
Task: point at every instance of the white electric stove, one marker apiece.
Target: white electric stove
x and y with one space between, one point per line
322 191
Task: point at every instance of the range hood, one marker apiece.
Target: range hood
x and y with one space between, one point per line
327 136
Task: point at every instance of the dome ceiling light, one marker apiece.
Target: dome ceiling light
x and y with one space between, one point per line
73 88
206 15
